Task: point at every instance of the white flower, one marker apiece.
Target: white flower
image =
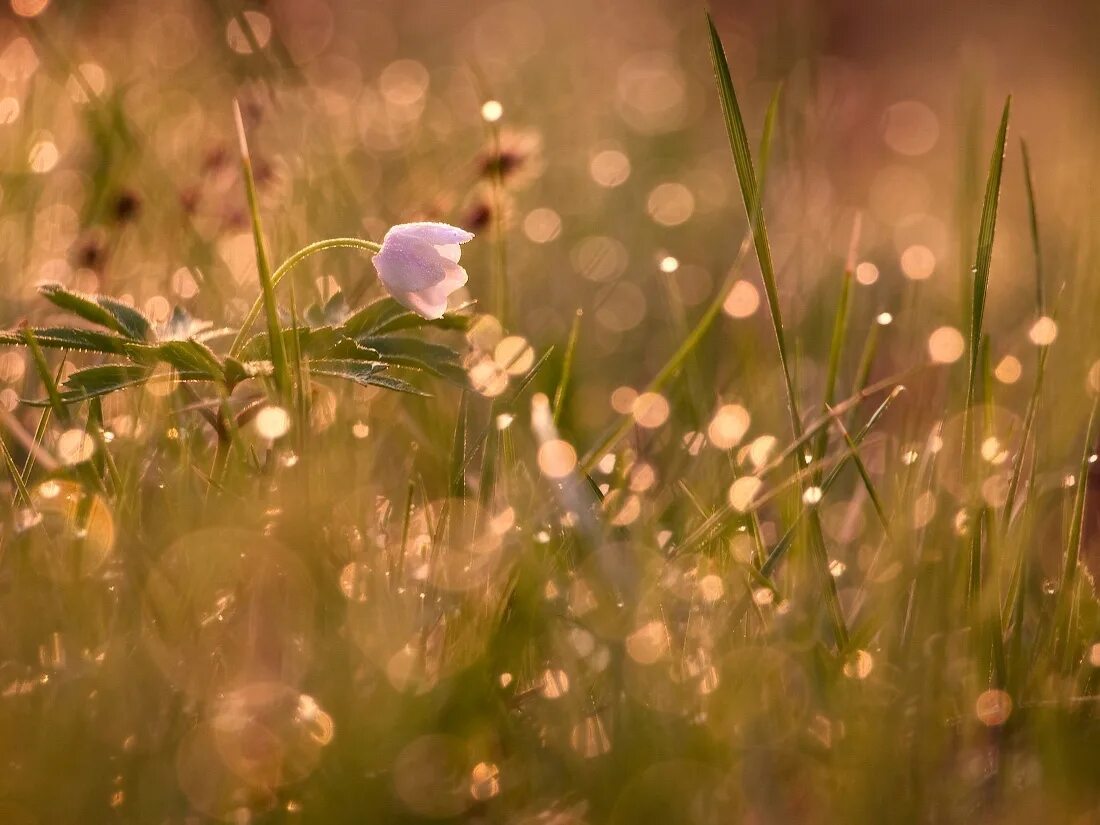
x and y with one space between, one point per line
418 265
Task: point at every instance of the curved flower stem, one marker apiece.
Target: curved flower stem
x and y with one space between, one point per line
289 264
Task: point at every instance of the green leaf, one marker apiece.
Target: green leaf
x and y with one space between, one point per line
365 373
750 194
318 342
104 378
191 356
83 340
413 352
94 382
100 309
386 315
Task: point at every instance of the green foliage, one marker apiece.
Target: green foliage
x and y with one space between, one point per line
576 564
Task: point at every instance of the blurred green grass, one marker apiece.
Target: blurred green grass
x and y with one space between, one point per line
629 563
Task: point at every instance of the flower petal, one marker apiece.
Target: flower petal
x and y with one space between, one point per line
430 231
406 264
418 303
431 302
450 251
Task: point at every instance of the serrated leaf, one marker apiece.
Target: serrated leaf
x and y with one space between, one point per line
100 309
147 377
97 381
104 378
364 373
412 352
321 342
83 340
317 342
386 315
191 356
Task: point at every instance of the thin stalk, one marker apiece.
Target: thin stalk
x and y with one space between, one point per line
982 261
47 377
284 268
277 346
567 367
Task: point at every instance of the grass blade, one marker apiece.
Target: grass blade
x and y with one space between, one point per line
281 374
673 365
1068 587
751 195
1033 225
984 254
567 367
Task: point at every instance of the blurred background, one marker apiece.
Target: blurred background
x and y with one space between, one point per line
583 143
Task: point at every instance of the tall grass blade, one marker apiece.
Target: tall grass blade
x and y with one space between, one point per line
281 374
984 254
1033 225
1067 588
751 195
567 367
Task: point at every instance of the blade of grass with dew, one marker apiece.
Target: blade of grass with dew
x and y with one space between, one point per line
754 210
776 555
865 475
673 365
836 351
771 118
751 195
1015 601
16 476
47 377
301 381
718 520
276 344
840 331
982 262
457 486
1067 588
567 367
1040 371
771 563
1033 226
507 405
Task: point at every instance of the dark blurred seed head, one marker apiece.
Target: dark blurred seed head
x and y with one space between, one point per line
127 206
262 171
485 206
89 253
478 216
515 157
215 159
189 199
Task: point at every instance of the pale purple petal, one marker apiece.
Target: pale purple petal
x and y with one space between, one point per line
418 265
407 264
450 251
418 303
434 233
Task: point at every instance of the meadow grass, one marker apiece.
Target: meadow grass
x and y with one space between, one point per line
357 565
